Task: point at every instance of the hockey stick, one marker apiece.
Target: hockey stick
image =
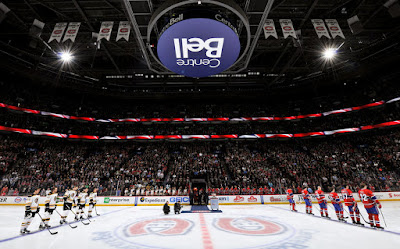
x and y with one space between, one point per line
80 220
362 217
382 216
85 215
67 222
52 233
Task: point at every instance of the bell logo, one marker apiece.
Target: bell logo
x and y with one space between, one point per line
196 45
213 47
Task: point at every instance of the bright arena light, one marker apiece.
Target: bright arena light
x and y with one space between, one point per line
329 53
65 56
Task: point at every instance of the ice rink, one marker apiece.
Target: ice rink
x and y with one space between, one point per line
240 226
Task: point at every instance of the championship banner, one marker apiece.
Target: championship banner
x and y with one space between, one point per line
320 28
105 31
36 28
58 31
72 31
3 11
334 28
355 24
269 29
124 29
287 28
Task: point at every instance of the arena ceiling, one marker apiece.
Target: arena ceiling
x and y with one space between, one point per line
269 63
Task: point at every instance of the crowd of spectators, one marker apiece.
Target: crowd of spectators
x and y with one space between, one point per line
169 168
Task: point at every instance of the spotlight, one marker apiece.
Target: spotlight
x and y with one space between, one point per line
329 53
65 56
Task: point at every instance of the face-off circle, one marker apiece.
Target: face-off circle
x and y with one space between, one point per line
198 47
161 226
249 226
242 231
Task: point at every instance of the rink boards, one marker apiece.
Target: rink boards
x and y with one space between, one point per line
160 200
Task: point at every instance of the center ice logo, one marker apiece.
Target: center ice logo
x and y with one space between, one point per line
249 226
162 226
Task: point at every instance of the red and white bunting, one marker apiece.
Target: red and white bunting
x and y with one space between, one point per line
340 131
72 31
287 28
49 134
334 28
105 31
269 29
58 31
195 136
320 28
124 29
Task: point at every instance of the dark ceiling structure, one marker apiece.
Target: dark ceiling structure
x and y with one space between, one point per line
267 64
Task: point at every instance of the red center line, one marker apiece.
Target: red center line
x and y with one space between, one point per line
204 233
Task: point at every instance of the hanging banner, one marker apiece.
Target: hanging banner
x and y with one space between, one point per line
269 29
320 28
105 31
124 29
334 28
36 28
287 28
3 11
72 31
58 31
355 24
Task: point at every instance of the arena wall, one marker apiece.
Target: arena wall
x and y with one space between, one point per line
160 200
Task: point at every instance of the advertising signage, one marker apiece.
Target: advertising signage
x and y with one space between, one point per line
199 47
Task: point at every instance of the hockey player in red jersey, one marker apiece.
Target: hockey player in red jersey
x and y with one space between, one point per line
371 204
290 196
322 202
351 203
308 201
337 204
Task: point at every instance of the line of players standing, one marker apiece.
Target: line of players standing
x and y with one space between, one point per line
73 200
371 204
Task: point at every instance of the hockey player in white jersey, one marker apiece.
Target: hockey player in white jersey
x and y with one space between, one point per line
69 198
81 201
31 208
50 206
92 201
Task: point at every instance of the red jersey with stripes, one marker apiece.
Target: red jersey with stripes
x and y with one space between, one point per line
306 195
289 193
368 198
348 197
335 199
320 196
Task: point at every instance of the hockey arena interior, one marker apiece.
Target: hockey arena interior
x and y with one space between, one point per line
201 124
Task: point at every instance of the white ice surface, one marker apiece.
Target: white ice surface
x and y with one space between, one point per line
241 226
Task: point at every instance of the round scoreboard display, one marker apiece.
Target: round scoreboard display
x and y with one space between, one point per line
199 47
